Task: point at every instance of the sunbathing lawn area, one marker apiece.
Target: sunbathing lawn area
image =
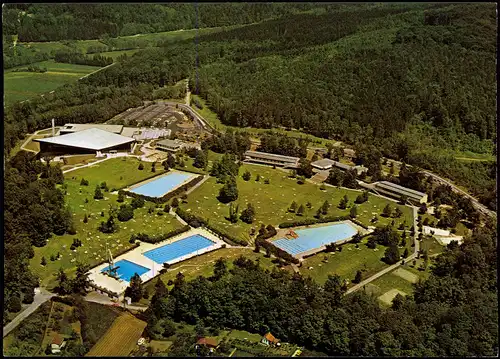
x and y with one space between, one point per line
345 263
115 172
272 200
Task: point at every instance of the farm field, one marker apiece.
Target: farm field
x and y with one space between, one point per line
121 338
20 86
272 200
116 54
117 172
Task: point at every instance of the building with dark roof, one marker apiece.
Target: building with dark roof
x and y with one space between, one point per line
272 159
91 140
394 190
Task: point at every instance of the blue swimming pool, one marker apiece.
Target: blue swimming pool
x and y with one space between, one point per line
127 269
178 249
311 238
162 185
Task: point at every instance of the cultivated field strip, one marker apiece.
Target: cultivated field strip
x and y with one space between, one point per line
121 338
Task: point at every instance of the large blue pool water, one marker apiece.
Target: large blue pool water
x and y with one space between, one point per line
162 185
127 269
311 238
178 249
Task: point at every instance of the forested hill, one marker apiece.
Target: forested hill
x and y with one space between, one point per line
414 81
53 22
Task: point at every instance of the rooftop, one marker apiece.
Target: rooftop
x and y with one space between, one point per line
212 342
271 156
397 188
323 162
271 338
92 139
76 127
170 143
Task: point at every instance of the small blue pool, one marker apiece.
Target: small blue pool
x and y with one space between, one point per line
162 185
312 238
127 269
178 249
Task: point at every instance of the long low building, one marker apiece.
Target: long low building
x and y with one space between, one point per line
77 127
91 140
394 190
272 159
326 164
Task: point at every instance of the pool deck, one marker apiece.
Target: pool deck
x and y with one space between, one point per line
136 256
152 179
300 256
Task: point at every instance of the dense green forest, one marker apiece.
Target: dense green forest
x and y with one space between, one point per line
453 313
415 81
53 22
33 209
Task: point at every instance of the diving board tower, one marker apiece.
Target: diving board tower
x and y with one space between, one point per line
112 269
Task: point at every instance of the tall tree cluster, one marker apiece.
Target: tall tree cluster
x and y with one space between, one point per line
33 209
453 313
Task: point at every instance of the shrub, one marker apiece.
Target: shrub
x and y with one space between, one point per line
84 182
141 167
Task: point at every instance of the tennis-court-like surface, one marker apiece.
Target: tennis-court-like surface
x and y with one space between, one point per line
178 248
312 238
127 269
162 185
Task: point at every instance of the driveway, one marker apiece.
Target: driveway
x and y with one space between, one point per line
41 296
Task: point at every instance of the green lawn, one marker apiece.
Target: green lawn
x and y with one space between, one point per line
431 245
203 265
387 282
117 173
345 263
20 86
272 200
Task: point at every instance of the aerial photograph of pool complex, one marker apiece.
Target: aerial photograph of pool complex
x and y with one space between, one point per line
159 186
300 242
148 259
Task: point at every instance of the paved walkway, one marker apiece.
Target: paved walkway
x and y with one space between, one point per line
378 275
41 296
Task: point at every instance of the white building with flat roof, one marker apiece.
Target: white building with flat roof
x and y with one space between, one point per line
394 190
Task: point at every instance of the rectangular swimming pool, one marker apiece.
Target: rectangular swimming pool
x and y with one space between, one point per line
312 238
163 184
178 248
127 269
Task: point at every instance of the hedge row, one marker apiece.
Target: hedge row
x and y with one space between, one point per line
278 252
191 219
196 222
226 237
119 253
168 195
161 237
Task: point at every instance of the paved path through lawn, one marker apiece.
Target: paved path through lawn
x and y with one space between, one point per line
41 297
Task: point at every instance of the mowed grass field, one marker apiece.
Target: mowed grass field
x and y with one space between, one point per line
117 172
19 86
121 338
345 263
272 200
204 265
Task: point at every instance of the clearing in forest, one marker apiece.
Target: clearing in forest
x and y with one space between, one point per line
121 338
388 296
406 275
